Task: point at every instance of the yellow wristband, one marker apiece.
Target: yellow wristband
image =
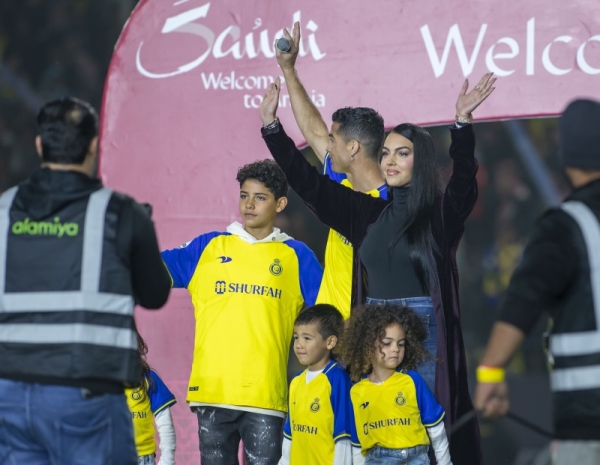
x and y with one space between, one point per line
487 374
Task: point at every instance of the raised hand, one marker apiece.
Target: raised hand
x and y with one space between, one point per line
268 107
467 102
287 60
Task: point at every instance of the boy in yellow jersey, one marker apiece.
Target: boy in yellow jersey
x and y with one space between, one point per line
350 156
319 429
247 285
150 403
397 416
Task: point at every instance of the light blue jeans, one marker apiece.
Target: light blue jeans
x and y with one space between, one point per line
411 456
582 452
60 425
423 307
147 459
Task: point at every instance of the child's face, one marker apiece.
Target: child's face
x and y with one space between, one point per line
310 347
258 206
389 352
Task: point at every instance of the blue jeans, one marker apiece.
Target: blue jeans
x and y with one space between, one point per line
582 452
412 456
423 307
147 459
220 431
59 425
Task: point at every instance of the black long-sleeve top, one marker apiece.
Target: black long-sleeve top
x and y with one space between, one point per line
390 271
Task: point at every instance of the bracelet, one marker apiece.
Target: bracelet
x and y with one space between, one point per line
487 374
463 120
272 124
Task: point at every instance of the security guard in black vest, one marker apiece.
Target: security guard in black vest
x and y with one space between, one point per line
75 257
560 274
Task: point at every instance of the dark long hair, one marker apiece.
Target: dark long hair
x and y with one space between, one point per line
145 380
425 189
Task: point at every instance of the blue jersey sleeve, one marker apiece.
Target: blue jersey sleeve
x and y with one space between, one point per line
311 271
431 412
344 426
160 396
182 261
328 170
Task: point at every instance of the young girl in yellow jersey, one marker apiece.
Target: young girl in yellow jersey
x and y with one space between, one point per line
150 403
397 417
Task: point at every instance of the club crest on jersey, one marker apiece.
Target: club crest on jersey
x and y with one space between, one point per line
276 269
314 406
400 399
137 394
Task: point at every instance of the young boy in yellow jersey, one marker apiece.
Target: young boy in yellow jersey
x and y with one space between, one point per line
247 285
150 404
397 416
319 429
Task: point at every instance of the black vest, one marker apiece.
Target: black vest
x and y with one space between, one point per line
66 305
575 339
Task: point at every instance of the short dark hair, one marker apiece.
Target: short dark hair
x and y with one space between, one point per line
67 126
362 124
328 319
269 173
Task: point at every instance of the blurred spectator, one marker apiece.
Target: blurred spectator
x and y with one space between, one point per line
47 50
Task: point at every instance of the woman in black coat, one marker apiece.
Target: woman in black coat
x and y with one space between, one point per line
405 247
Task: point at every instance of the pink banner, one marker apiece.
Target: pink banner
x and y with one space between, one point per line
180 105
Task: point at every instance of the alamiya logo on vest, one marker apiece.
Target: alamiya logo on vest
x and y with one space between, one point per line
45 228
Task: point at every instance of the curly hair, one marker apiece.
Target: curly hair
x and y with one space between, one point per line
269 173
366 330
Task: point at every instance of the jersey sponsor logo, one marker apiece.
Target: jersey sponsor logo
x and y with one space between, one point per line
373 425
135 415
314 406
296 428
276 269
45 228
400 399
364 405
222 287
224 259
193 388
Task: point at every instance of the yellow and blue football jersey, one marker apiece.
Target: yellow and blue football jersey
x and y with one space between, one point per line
144 404
246 297
336 288
395 413
320 414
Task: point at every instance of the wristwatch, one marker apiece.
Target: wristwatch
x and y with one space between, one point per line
461 120
272 125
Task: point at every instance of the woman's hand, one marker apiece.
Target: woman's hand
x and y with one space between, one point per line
467 102
268 107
